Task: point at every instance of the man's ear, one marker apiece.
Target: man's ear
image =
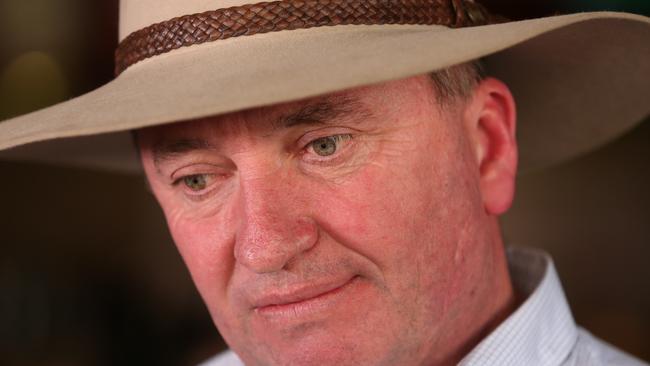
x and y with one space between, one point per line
491 118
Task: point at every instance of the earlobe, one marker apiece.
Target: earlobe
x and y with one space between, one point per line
493 119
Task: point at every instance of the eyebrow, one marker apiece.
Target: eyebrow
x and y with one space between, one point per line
165 150
325 111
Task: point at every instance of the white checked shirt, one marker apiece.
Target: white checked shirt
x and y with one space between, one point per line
541 332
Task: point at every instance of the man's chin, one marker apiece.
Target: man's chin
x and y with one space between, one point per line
334 341
316 348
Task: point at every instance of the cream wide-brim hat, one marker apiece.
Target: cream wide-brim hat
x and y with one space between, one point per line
579 80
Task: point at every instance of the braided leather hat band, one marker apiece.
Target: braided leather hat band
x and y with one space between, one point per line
281 15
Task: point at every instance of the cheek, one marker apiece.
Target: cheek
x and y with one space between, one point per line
376 216
206 250
380 207
407 214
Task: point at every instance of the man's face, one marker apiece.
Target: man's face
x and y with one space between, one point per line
345 229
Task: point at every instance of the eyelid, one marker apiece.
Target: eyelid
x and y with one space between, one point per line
178 180
197 169
323 132
338 138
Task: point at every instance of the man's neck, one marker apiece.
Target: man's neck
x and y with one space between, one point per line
495 306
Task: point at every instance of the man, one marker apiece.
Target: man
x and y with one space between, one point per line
339 221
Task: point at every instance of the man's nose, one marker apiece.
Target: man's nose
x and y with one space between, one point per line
273 228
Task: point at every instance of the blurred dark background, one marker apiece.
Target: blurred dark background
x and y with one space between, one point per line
89 275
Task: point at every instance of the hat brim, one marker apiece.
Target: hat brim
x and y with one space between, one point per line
579 81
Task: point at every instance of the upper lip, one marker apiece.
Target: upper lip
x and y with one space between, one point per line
297 293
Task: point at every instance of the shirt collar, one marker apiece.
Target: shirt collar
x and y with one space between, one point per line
542 330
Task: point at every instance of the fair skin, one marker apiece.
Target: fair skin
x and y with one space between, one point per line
355 228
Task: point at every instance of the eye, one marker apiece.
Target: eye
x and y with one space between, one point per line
199 181
196 182
327 146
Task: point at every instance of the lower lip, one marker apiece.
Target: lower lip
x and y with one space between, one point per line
308 307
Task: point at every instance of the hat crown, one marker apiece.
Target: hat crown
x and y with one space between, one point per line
138 14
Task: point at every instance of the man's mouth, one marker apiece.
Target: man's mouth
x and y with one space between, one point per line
302 300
